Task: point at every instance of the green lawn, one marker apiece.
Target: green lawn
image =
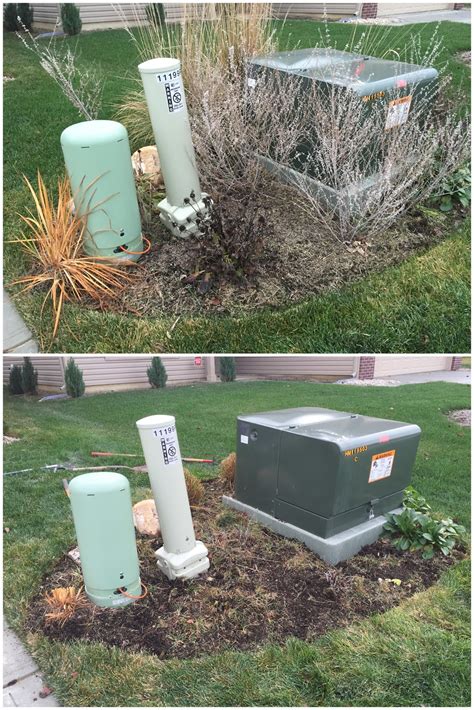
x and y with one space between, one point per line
415 654
421 306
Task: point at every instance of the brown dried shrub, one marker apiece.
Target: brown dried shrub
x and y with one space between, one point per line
227 468
194 487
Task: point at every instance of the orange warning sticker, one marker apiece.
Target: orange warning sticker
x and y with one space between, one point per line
398 111
381 466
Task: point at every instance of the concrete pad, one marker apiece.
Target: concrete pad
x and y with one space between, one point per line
333 549
17 337
462 377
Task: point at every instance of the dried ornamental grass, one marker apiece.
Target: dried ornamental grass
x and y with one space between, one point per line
194 487
227 468
54 242
63 603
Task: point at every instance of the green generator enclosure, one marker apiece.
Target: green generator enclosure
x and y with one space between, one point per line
392 88
98 163
321 470
102 511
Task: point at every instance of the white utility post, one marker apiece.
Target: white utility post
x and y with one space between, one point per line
164 93
182 556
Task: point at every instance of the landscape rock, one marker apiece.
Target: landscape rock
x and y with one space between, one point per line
146 163
145 517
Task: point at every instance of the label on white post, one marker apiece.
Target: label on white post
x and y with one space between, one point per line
169 443
174 91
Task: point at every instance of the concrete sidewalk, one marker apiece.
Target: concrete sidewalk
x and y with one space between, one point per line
17 337
410 18
22 683
462 377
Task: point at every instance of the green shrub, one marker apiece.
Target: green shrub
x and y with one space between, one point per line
12 11
29 377
413 499
412 530
74 380
71 18
25 13
15 385
227 369
454 191
156 373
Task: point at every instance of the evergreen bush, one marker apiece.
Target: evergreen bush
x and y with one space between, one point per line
29 377
156 373
71 18
74 380
25 13
227 369
15 384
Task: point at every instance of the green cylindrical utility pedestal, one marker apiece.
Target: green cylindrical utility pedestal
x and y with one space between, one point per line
98 162
102 511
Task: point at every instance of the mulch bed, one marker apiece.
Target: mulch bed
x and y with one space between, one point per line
461 416
260 588
298 262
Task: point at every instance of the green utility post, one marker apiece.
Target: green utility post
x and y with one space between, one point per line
102 511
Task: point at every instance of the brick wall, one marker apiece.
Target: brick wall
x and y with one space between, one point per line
456 363
368 10
366 367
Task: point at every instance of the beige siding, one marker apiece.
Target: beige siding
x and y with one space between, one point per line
284 366
397 8
400 364
110 371
93 15
314 10
49 368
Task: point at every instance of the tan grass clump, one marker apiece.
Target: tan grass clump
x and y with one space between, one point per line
63 603
227 468
54 242
194 487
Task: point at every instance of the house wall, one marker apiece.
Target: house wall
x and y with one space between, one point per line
93 15
398 365
295 367
314 10
102 373
385 9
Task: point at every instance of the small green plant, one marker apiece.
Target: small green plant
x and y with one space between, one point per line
29 377
74 380
157 376
71 18
455 190
413 530
15 385
413 499
227 369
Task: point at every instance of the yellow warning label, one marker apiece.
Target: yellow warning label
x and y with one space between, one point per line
381 466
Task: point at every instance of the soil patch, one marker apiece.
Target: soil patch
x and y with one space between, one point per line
465 57
298 262
9 439
461 416
260 588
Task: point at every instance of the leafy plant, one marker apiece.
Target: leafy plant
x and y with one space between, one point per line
71 18
413 499
74 380
157 375
54 242
227 369
29 377
454 190
412 530
25 13
15 385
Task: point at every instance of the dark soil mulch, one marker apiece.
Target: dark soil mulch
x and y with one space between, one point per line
260 587
298 261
